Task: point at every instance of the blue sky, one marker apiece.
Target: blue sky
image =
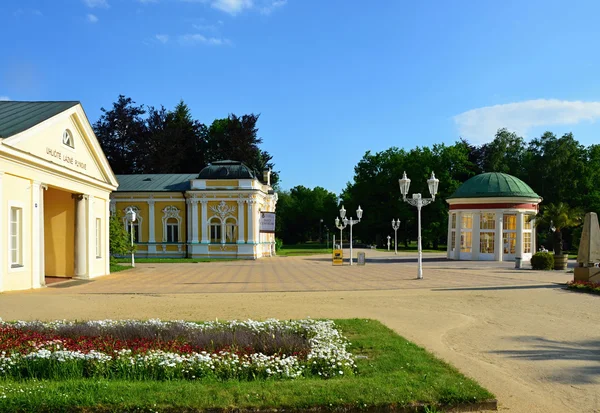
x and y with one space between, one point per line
330 78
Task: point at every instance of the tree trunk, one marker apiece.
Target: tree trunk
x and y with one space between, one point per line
557 242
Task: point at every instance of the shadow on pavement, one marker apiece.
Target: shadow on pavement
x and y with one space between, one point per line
70 283
542 349
504 287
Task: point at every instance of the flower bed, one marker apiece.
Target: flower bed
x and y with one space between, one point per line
586 286
154 349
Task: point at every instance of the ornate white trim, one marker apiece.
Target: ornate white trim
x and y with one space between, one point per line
223 210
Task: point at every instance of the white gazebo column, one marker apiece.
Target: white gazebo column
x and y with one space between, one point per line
205 223
449 246
106 239
499 241
519 246
533 236
457 235
195 220
475 228
1 231
37 232
251 217
81 201
240 223
151 227
91 236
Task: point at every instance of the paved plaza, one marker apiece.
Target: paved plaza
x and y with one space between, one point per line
518 332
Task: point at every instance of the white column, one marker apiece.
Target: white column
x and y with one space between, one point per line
499 242
195 220
80 235
106 239
37 232
475 235
457 235
449 239
533 236
519 246
240 223
251 204
204 220
2 249
188 220
112 207
151 227
91 236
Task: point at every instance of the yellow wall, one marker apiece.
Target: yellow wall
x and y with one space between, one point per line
16 189
233 183
59 233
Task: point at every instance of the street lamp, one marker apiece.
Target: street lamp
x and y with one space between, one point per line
320 225
341 227
388 237
347 222
131 216
395 226
419 202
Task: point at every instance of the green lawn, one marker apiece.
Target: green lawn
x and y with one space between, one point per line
117 268
285 252
393 372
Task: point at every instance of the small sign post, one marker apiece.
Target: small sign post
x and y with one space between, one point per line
338 257
360 258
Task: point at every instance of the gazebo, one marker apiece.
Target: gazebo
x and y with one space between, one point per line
491 218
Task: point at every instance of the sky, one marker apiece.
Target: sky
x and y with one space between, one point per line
331 79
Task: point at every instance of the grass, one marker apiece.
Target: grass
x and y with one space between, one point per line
116 268
393 372
172 260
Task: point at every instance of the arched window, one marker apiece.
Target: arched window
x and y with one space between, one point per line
231 230
172 227
68 138
171 224
215 230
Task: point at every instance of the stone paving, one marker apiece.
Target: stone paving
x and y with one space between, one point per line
383 271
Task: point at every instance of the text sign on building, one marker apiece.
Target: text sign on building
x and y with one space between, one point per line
267 222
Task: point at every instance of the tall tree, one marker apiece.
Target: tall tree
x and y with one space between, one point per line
122 134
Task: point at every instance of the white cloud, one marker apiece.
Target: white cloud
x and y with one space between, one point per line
4 98
480 125
163 38
92 18
196 38
96 3
271 5
232 6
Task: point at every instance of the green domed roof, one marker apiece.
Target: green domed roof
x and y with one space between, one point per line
226 170
494 184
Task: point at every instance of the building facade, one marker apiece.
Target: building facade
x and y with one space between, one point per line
492 217
225 211
54 195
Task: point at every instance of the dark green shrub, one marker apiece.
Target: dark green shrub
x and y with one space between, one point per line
278 244
542 261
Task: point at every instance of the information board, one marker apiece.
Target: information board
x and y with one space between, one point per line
360 259
267 222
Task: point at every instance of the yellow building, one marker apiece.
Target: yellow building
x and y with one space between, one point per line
222 212
55 184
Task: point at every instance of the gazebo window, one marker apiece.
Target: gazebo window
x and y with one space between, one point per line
527 242
215 230
527 221
509 233
453 221
466 235
486 242
488 221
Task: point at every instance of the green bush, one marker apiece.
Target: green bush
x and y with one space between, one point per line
542 261
278 244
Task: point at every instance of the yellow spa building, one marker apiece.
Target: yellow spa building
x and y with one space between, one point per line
55 185
224 211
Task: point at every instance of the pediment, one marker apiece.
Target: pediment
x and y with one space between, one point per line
66 140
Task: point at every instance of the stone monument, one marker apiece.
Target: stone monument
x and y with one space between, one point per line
588 255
